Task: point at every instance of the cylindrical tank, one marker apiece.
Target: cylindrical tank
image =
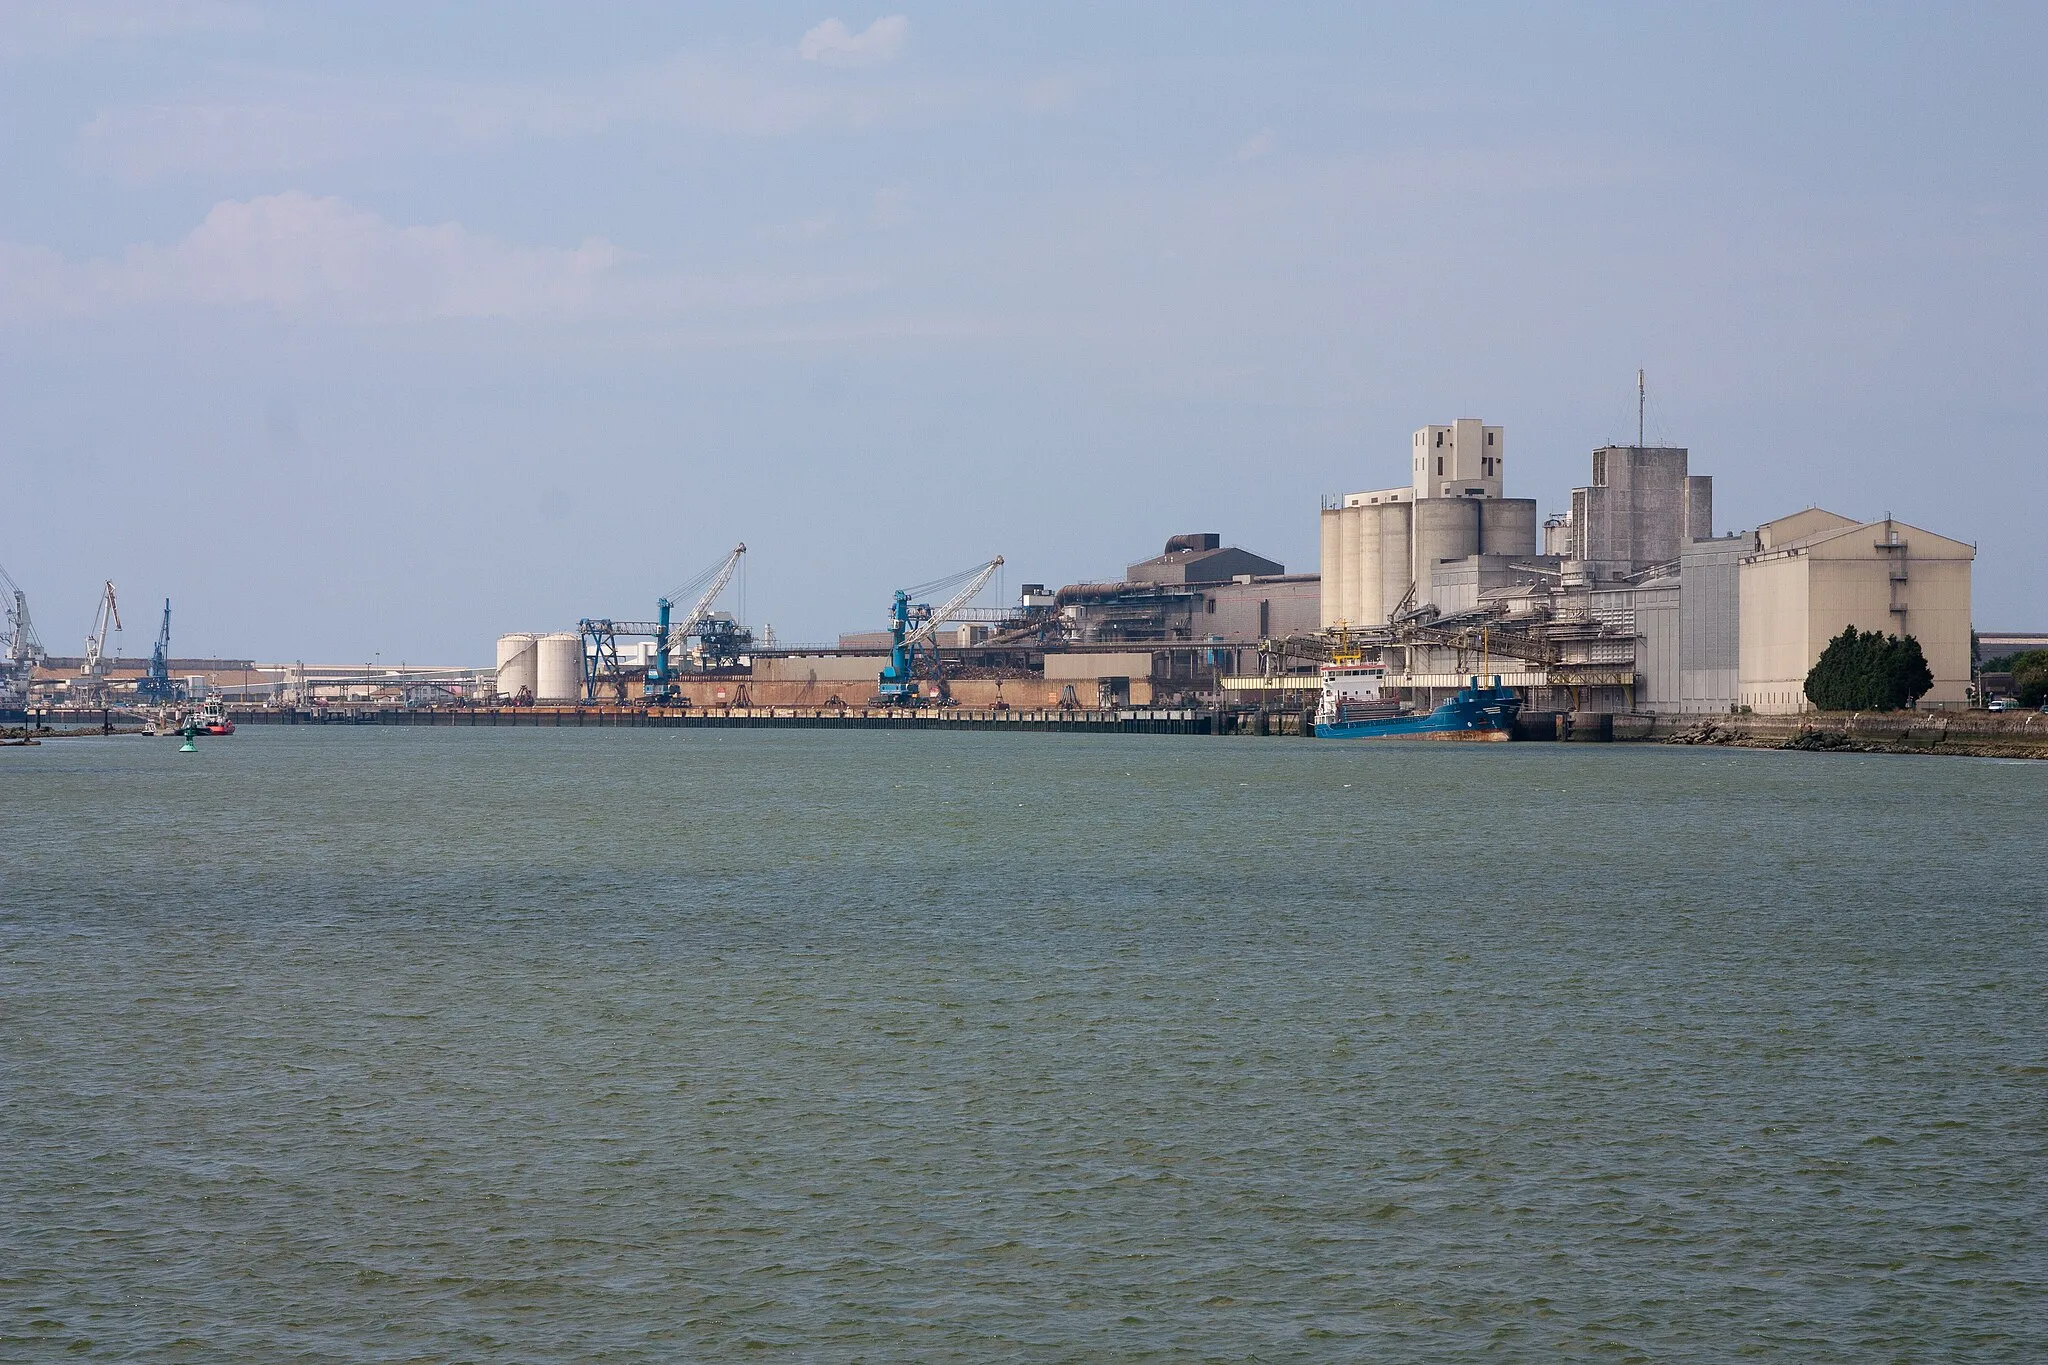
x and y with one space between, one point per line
1445 528
1366 533
560 667
517 664
1507 526
1397 561
1344 608
1334 523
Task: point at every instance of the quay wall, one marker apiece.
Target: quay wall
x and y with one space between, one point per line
1151 722
857 691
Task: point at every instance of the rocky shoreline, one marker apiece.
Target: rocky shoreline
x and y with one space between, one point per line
1977 734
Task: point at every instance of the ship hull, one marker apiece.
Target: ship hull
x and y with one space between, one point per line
1474 716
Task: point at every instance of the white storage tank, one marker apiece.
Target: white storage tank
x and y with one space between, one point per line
518 664
561 667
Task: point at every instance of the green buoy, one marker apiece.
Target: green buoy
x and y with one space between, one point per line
188 747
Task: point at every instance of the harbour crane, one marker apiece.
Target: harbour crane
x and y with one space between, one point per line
721 637
91 679
912 624
24 650
156 685
693 624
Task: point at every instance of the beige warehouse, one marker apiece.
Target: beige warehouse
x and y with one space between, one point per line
1816 573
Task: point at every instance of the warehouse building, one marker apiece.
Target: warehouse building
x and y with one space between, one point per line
1815 573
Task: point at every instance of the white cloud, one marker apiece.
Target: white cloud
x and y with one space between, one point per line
326 259
286 121
36 28
833 44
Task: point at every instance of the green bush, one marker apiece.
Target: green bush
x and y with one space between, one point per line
1869 671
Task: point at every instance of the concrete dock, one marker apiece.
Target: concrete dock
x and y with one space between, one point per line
1137 721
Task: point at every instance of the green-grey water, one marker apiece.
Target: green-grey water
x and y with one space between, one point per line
370 1045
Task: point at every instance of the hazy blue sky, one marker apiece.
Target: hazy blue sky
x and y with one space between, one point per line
362 328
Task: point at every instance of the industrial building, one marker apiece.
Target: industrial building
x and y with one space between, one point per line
1811 575
1641 510
1634 604
1448 567
1196 590
1390 550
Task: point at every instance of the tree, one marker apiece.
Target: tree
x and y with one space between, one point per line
1869 671
2030 676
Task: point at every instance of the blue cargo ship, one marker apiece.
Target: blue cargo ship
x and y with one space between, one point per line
1354 706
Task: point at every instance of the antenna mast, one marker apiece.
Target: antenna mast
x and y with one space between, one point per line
1640 394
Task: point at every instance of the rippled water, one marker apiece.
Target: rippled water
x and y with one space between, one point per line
568 1045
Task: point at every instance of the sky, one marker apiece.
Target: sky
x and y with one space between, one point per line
374 331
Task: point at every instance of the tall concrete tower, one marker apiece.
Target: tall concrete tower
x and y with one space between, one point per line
1462 460
1641 510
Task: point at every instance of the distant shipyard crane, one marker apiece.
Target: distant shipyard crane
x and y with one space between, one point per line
91 683
24 650
722 638
155 685
912 625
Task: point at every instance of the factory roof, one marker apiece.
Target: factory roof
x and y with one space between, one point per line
1817 526
1202 559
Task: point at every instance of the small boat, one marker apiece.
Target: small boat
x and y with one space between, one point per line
1354 706
210 719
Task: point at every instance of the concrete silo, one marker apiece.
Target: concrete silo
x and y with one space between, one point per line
1445 528
1507 526
560 667
518 664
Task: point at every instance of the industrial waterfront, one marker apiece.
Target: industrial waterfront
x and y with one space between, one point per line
541 1045
1629 614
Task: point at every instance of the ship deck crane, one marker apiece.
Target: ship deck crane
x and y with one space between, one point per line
912 625
601 637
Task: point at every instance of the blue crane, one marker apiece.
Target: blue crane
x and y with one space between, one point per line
912 625
155 684
601 665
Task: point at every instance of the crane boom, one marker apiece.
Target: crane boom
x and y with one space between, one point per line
967 594
912 625
702 609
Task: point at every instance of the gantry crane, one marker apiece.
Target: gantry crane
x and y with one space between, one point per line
601 637
912 625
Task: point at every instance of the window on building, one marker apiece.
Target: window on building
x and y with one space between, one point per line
1439 464
1489 438
1212 605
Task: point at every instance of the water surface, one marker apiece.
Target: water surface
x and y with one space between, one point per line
532 1045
